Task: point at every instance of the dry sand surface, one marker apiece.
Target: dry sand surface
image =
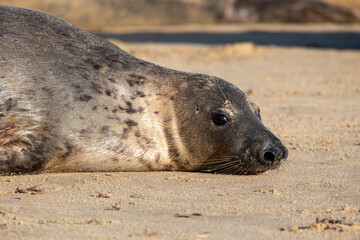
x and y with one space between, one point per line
309 97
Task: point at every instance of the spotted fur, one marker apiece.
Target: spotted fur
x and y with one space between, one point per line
71 101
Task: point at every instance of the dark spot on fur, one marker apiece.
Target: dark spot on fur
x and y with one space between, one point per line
114 118
168 167
136 76
115 159
48 91
84 75
118 148
85 98
111 80
110 93
157 158
129 108
125 130
76 86
69 150
22 110
145 142
137 133
115 109
96 87
124 134
131 123
148 141
112 59
141 160
156 112
95 108
104 129
136 80
96 66
140 93
93 62
106 108
149 166
83 131
8 105
65 34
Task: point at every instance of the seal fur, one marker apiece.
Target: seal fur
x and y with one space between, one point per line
71 101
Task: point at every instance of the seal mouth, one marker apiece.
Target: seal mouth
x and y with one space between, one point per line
246 164
237 166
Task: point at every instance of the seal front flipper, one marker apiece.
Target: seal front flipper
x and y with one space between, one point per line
21 148
26 145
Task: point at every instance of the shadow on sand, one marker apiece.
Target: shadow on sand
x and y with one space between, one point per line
337 40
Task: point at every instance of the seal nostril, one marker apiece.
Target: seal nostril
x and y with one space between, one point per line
269 156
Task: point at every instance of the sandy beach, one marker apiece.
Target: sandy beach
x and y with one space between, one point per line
306 80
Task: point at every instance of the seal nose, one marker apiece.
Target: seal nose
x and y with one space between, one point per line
274 154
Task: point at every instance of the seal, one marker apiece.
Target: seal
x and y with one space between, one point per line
71 101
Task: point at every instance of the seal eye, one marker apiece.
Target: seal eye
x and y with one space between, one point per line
219 119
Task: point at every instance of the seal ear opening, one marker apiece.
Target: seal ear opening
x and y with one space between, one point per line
197 109
255 108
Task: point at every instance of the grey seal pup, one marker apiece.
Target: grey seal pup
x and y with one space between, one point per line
71 101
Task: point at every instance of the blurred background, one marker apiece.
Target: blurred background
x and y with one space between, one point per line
308 23
100 14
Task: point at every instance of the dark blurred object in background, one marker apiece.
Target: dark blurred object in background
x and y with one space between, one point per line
97 14
284 11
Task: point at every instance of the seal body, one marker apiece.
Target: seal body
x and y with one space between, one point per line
71 101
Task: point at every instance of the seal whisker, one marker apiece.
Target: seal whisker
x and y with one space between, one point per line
219 161
226 170
239 171
217 157
221 167
216 161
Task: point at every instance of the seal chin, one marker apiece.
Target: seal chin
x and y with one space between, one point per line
254 169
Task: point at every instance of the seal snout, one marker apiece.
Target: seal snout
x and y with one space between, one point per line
274 154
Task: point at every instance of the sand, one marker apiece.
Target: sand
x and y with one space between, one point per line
309 97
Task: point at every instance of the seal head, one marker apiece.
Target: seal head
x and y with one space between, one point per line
220 122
